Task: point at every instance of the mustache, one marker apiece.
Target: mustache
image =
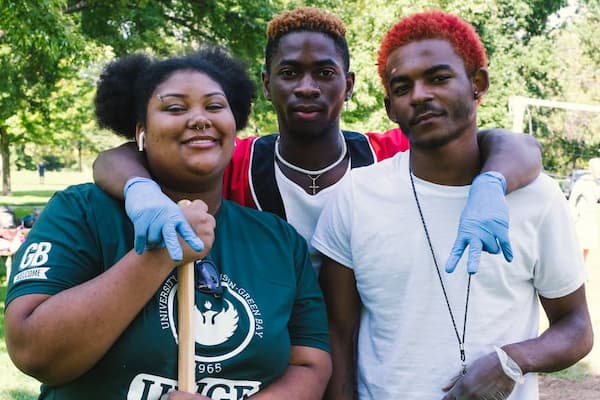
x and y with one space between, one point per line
424 108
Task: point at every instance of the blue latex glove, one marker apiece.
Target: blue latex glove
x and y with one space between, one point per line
157 219
483 223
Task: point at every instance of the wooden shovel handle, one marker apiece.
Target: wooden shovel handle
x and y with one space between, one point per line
187 348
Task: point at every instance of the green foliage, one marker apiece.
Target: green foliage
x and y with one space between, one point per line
54 162
571 138
127 26
51 52
24 160
172 26
38 47
528 56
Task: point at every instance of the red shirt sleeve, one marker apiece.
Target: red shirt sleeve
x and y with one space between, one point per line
389 143
236 185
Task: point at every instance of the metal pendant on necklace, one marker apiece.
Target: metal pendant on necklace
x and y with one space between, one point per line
313 175
313 186
463 357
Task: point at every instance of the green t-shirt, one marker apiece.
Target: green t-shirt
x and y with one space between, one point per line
271 299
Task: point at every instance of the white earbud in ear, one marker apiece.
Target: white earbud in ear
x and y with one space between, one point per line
140 141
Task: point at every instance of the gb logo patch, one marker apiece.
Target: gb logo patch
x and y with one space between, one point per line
35 254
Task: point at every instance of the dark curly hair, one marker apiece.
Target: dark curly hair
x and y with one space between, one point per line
306 19
126 84
434 25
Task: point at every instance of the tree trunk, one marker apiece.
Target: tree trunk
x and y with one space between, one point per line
79 155
5 152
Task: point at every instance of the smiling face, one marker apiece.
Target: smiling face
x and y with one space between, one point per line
429 93
307 84
178 150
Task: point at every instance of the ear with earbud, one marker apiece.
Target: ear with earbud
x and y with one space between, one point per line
476 94
140 141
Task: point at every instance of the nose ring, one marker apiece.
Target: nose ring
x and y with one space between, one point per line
197 127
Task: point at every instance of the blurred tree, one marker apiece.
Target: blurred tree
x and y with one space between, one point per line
37 47
536 48
165 27
45 100
52 51
564 65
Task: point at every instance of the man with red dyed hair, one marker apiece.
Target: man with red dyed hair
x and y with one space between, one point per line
293 173
424 334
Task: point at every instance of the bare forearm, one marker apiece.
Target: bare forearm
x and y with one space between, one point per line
516 156
343 310
114 167
56 347
568 339
301 382
342 385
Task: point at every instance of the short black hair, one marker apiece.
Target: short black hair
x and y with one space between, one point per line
126 84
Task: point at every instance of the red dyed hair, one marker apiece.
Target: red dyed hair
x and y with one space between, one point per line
434 25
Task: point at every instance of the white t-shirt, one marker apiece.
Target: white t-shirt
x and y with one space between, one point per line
302 210
407 347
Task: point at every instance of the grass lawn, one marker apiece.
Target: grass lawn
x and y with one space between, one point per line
27 189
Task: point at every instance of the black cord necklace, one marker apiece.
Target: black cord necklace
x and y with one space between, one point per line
461 341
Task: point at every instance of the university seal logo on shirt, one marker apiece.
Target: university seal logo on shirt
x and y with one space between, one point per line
223 327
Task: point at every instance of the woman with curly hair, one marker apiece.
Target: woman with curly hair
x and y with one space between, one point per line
92 319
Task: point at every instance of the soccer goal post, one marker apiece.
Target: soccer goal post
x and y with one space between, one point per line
517 105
